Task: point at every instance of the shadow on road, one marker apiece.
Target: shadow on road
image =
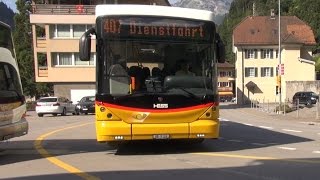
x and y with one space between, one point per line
18 151
289 169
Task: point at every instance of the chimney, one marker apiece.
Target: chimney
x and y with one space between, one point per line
272 15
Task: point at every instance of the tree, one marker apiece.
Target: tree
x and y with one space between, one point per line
22 36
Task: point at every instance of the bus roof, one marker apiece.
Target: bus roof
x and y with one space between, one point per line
154 10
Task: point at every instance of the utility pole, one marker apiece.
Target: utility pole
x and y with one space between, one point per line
279 56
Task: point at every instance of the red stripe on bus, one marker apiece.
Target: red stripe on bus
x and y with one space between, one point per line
164 110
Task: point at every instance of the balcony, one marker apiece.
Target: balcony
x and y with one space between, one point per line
63 9
224 89
43 71
41 43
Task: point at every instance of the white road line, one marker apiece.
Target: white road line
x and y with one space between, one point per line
290 130
288 148
318 133
317 152
266 127
258 144
221 119
248 124
234 140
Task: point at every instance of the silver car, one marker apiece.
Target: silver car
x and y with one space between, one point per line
54 106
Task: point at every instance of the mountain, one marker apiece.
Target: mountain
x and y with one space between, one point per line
6 15
218 7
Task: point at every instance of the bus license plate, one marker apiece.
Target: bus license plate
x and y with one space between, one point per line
161 136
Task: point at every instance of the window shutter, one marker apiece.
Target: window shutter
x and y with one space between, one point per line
246 54
262 54
246 72
256 72
271 53
261 73
255 53
271 71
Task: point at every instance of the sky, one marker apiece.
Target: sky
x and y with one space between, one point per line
11 4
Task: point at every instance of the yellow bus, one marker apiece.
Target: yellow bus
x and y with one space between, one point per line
12 101
156 74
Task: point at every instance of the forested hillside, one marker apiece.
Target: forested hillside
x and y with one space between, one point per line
306 10
6 14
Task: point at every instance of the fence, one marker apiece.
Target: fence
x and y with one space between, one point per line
294 109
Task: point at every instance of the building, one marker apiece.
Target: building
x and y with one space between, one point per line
255 44
56 27
226 81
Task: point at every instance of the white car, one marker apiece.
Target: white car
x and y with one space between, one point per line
54 106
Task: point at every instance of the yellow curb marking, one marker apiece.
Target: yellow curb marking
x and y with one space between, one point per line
44 153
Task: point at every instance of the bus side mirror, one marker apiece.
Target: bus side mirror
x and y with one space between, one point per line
221 51
85 45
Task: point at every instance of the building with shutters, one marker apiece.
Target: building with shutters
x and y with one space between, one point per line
256 44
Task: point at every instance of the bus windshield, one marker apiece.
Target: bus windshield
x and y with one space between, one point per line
155 55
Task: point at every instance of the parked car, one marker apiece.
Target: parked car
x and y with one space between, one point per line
54 106
305 97
86 105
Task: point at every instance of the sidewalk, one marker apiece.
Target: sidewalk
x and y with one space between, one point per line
304 115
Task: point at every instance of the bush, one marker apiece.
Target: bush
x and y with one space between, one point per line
284 107
31 105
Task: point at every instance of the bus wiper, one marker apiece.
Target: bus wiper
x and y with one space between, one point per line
190 94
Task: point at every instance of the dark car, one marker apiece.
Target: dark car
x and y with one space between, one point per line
305 97
86 105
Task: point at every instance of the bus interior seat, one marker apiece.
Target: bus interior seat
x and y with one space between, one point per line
136 74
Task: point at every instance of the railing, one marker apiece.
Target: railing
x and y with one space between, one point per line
63 9
43 71
41 42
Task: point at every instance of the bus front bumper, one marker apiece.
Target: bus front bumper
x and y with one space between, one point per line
119 130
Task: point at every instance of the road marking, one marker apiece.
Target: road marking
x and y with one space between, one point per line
266 127
258 144
290 130
236 156
234 140
226 120
256 157
44 153
248 124
287 148
318 133
317 152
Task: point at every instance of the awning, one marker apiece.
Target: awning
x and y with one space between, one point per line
226 93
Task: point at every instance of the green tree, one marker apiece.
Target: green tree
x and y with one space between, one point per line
22 36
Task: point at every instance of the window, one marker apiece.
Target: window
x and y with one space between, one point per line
63 30
68 30
9 82
266 53
222 74
251 72
78 30
71 59
277 53
267 72
65 59
223 84
251 53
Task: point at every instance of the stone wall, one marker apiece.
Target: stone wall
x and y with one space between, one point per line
295 86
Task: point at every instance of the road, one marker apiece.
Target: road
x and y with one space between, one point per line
251 147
